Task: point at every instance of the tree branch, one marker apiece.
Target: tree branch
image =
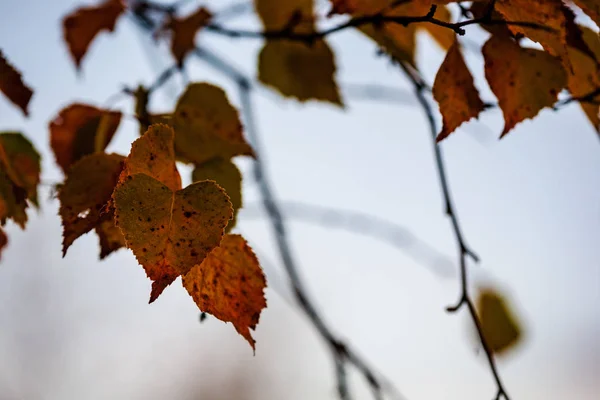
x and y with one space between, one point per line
463 250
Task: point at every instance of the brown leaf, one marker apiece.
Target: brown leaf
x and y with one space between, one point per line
3 241
21 162
229 284
575 37
82 25
86 193
585 77
168 229
13 201
12 85
184 30
524 80
591 8
110 236
79 130
207 126
455 92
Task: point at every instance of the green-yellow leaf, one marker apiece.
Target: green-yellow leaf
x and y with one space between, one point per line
169 229
524 80
499 325
455 92
79 130
229 284
207 126
85 195
228 176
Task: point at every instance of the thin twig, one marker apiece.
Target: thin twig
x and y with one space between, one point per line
464 251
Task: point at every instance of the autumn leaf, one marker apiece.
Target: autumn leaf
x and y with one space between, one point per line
79 130
207 126
169 229
85 195
575 35
183 32
82 25
12 85
13 201
524 80
228 176
110 236
301 70
499 325
591 8
21 162
3 240
455 92
229 284
585 77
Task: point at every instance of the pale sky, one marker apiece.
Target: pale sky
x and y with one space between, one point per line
77 328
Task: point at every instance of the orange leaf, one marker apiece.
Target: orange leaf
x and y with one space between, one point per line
12 85
74 133
207 126
86 193
455 92
3 241
81 26
591 8
585 77
524 80
183 31
168 229
229 284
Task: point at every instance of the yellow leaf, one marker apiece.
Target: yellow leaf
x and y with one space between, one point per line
499 325
183 31
168 229
85 195
585 77
228 176
12 85
455 92
229 284
207 126
524 80
591 8
299 70
79 130
21 162
82 25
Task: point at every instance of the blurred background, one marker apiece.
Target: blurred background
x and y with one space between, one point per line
78 328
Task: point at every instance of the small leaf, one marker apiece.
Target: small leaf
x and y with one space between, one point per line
79 130
524 80
299 70
183 32
229 284
455 92
82 25
12 85
168 229
86 193
3 240
207 126
228 176
585 77
498 324
591 8
21 162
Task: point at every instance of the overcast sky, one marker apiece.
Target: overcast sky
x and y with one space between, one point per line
77 328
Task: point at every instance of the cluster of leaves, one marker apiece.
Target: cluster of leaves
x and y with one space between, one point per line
138 201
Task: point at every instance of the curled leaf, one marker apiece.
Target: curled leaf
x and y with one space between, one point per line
82 25
455 92
229 284
79 130
12 85
524 80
